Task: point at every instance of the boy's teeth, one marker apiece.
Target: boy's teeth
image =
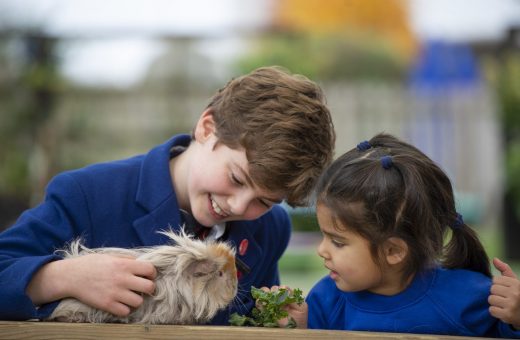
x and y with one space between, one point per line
216 207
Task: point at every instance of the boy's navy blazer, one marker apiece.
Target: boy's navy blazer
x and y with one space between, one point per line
122 204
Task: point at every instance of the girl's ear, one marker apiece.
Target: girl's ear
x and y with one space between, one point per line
205 126
396 250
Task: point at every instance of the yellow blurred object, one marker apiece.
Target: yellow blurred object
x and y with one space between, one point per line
386 19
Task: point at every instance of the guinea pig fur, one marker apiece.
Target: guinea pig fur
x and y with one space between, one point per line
194 280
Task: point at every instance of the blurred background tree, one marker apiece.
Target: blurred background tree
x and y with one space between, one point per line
332 57
30 83
506 76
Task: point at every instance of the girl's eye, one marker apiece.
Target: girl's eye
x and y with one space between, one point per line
337 244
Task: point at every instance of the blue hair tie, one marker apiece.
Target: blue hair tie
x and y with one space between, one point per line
364 145
458 223
387 162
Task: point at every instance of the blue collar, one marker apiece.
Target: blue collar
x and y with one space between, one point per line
156 194
383 303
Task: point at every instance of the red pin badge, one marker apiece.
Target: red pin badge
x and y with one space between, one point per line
242 248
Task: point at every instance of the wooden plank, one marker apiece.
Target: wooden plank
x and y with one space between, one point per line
30 330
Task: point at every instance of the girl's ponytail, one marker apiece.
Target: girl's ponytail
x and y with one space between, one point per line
464 250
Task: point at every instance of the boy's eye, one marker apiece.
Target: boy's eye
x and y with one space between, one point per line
236 180
266 204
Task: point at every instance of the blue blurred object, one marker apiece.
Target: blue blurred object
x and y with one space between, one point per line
443 65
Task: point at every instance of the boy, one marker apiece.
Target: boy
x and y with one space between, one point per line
264 138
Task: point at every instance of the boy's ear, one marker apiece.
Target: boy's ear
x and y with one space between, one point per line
205 126
396 250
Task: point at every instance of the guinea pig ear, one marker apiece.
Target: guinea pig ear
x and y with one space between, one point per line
202 268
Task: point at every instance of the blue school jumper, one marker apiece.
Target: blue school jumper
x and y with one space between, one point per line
440 301
123 204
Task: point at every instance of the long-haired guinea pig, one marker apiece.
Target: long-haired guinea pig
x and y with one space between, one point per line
194 280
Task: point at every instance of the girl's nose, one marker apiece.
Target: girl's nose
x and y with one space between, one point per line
322 249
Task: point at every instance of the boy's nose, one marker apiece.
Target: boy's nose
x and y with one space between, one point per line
239 209
239 204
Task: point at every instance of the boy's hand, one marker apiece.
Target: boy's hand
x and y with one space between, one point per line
107 282
297 312
504 298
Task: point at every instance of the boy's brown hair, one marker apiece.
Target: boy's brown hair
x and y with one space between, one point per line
284 125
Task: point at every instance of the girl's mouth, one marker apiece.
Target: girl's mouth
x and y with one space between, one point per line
333 275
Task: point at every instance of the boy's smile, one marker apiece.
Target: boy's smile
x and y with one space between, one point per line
212 181
215 209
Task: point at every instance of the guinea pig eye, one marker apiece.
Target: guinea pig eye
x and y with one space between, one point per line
220 273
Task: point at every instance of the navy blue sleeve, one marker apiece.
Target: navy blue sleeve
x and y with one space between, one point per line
30 243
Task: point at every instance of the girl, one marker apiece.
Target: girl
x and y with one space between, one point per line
400 257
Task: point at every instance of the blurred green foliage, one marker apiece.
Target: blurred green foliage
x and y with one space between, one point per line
303 261
28 93
306 221
328 57
513 173
508 90
29 82
503 71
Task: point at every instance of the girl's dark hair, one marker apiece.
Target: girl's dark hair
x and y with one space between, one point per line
405 195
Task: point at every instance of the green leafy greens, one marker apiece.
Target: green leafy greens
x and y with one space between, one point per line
270 308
